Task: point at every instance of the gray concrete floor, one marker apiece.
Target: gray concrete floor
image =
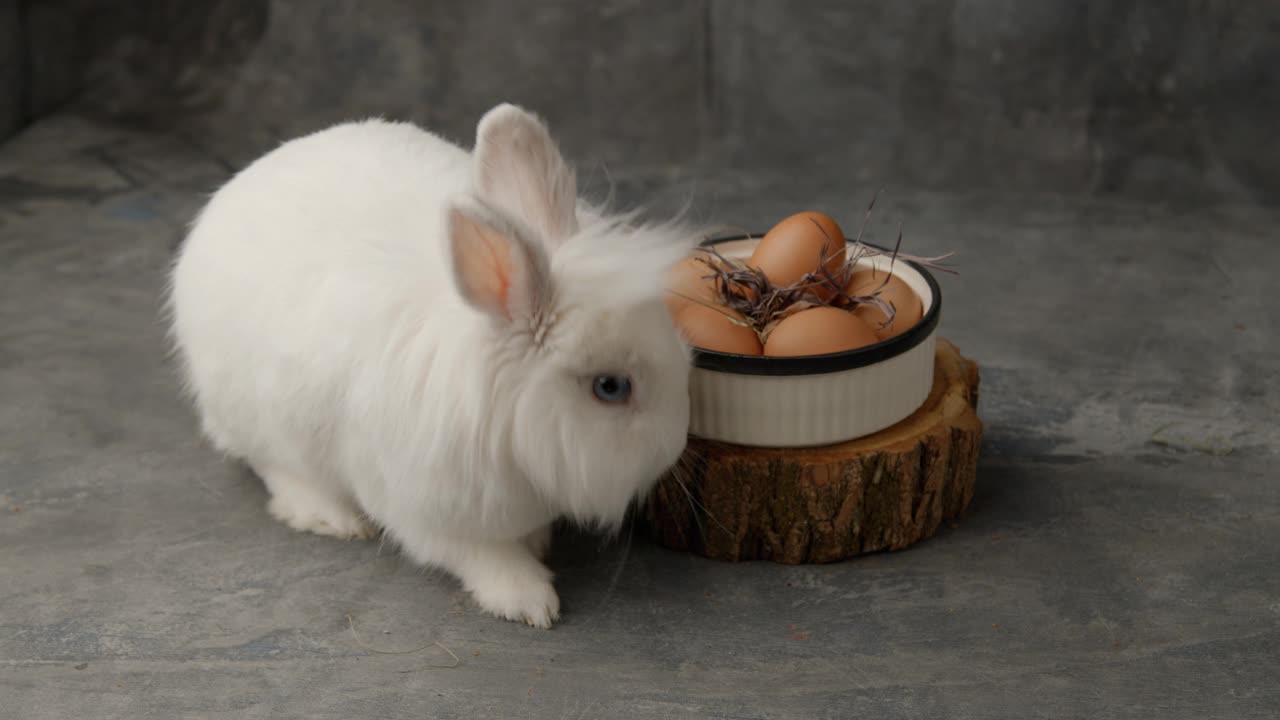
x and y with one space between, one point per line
1121 557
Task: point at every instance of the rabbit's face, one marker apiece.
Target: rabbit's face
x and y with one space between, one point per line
605 410
593 376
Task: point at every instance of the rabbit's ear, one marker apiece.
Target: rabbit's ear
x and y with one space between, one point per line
519 170
497 269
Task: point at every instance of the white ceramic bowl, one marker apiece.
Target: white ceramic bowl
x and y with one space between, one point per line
820 399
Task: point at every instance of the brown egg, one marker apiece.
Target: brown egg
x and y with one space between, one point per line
709 328
797 246
690 278
818 331
907 306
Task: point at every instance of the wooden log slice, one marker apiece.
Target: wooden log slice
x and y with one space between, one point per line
815 505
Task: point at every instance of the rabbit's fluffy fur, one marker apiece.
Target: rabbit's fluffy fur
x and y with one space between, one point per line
393 331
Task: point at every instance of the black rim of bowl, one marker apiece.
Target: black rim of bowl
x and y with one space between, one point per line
831 362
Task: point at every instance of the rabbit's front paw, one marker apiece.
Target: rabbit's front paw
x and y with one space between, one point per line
531 601
503 576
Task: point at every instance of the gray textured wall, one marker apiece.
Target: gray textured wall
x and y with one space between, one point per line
1159 98
12 69
1143 95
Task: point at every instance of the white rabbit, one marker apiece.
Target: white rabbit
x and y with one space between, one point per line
388 328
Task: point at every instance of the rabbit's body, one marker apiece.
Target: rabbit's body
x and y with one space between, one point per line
337 315
352 277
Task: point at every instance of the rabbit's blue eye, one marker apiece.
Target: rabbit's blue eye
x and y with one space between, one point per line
611 388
